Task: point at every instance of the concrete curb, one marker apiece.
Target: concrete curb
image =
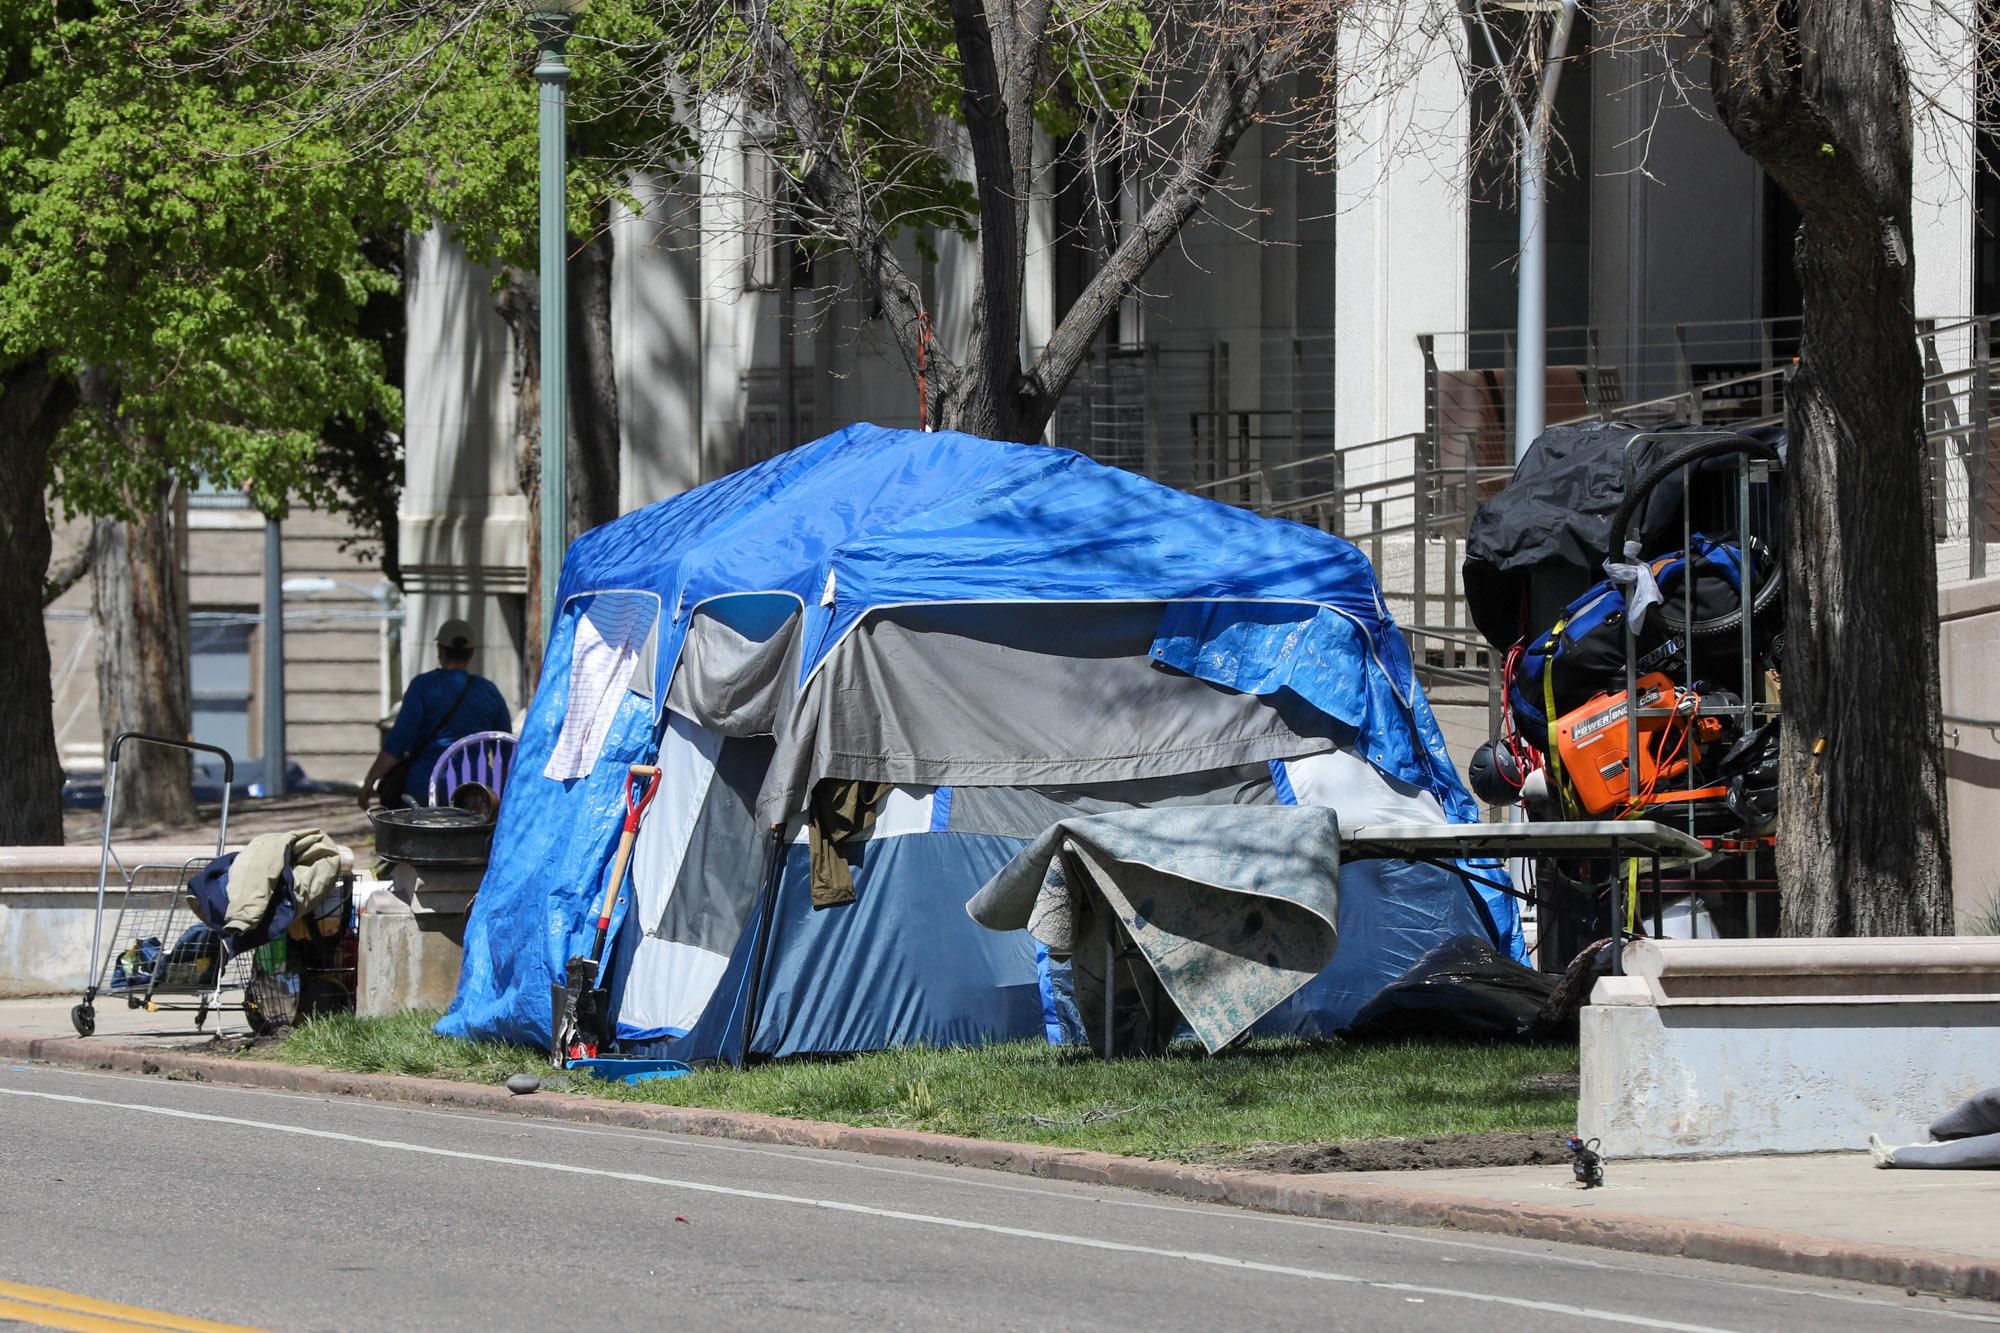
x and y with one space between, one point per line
1324 1197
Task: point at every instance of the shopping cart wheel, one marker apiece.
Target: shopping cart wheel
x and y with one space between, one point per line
201 1015
84 1019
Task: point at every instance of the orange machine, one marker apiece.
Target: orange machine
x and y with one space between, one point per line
1593 744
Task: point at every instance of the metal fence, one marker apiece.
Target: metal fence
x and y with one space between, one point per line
1960 442
1248 419
1192 413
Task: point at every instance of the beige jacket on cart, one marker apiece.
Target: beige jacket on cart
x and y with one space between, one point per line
314 859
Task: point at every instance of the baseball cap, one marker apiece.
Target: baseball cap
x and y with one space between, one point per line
456 635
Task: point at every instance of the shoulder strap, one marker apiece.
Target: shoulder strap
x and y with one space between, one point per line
442 722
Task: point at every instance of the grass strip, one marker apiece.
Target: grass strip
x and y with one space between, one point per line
1184 1105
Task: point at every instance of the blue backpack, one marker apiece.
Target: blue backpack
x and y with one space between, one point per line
1583 654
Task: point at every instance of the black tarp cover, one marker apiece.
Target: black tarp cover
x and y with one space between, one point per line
1551 524
1541 542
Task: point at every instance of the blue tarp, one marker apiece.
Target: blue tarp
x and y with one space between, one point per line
870 517
901 966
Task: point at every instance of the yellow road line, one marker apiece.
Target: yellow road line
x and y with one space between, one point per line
51 1307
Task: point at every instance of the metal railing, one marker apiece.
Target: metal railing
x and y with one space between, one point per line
1411 520
1190 413
1174 413
1733 374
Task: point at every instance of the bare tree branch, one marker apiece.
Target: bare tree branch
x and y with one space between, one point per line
1227 107
829 180
67 572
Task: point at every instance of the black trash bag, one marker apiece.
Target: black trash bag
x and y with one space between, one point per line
1461 988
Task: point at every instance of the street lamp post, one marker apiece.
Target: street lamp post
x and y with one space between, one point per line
552 21
275 775
1531 330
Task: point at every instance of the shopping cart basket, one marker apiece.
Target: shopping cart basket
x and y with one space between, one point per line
160 956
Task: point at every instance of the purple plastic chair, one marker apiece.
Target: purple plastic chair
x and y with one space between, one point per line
483 757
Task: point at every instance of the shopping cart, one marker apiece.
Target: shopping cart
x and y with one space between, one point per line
160 955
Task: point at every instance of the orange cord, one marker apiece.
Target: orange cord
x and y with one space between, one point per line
923 356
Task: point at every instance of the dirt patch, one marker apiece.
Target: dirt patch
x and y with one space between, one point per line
334 812
1497 1148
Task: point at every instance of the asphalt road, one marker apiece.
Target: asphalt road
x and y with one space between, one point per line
288 1212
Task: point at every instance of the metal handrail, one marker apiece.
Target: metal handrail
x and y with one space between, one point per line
1991 726
1255 474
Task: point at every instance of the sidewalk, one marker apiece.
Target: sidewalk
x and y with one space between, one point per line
118 1023
1840 1196
1831 1215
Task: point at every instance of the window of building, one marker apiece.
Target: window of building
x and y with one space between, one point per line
219 676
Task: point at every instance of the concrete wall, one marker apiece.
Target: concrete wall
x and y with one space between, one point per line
464 519
1969 657
1937 45
1401 245
411 942
48 905
656 322
1665 1082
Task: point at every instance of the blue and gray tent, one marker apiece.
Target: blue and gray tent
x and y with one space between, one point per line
1005 635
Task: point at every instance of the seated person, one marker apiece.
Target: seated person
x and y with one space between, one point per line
1966 1137
440 707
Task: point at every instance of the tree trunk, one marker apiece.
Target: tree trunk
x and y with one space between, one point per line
520 304
1818 95
139 606
593 386
594 436
34 404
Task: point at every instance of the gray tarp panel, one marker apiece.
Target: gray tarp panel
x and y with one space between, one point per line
736 678
1018 696
1233 907
718 884
1024 812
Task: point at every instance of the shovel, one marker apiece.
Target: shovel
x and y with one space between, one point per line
582 1008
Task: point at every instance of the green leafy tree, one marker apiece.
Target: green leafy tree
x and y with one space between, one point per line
891 122
438 104
177 299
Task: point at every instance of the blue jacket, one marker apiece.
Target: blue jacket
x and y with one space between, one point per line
430 697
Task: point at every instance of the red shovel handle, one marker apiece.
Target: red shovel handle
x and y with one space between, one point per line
636 806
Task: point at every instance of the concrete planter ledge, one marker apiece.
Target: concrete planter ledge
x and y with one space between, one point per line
69 866
48 903
1850 971
1751 1046
412 941
62 864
